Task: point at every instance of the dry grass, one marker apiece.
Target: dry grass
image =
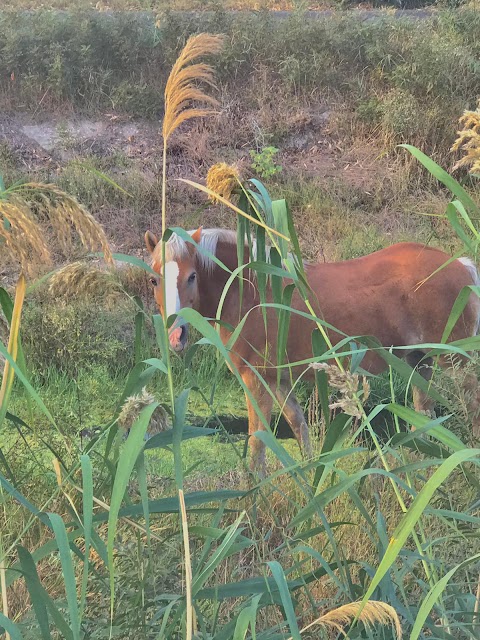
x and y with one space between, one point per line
83 280
181 90
32 209
372 613
222 179
468 141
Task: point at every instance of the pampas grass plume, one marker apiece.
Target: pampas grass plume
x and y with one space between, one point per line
181 89
374 612
29 207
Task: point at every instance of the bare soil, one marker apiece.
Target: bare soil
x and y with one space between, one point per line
310 148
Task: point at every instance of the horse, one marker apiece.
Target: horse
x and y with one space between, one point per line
400 295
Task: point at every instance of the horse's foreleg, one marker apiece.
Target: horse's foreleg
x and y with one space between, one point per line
295 418
264 401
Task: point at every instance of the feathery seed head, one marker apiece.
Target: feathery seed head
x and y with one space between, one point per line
28 207
468 141
133 407
23 236
374 612
80 279
181 89
347 384
223 179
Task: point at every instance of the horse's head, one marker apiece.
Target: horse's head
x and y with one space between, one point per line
180 286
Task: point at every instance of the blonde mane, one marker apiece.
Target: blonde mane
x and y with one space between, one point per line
177 248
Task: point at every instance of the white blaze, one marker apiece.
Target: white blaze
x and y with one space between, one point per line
172 299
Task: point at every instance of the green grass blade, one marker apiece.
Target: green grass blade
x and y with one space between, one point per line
35 591
126 462
68 572
8 626
414 513
134 261
452 217
420 421
280 217
320 501
165 438
457 309
87 482
166 616
139 329
288 607
266 586
56 616
445 178
181 403
142 486
241 626
171 505
220 553
434 594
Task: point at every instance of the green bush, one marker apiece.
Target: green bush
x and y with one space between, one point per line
98 61
73 337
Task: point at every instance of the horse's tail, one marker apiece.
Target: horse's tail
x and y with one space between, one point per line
471 267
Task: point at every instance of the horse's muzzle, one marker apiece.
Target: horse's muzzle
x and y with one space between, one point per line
178 338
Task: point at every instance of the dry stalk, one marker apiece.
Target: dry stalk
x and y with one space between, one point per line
188 567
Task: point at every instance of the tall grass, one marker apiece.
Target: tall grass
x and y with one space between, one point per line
277 593
109 550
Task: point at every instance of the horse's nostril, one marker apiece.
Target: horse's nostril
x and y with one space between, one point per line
183 334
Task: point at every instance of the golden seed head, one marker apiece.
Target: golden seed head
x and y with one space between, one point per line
373 612
223 179
468 141
181 90
80 279
29 207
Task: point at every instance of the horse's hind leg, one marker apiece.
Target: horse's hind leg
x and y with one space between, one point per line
295 418
424 366
264 400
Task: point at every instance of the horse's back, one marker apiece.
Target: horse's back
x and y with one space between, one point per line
402 295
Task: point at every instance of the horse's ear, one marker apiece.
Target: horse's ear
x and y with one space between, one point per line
197 235
151 241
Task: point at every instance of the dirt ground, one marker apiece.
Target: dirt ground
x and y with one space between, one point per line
310 147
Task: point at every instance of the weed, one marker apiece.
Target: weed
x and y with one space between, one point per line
263 162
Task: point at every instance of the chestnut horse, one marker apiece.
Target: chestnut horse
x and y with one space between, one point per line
376 295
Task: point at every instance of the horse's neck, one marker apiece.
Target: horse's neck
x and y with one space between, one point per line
212 284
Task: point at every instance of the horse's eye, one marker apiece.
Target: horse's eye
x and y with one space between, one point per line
192 277
153 281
